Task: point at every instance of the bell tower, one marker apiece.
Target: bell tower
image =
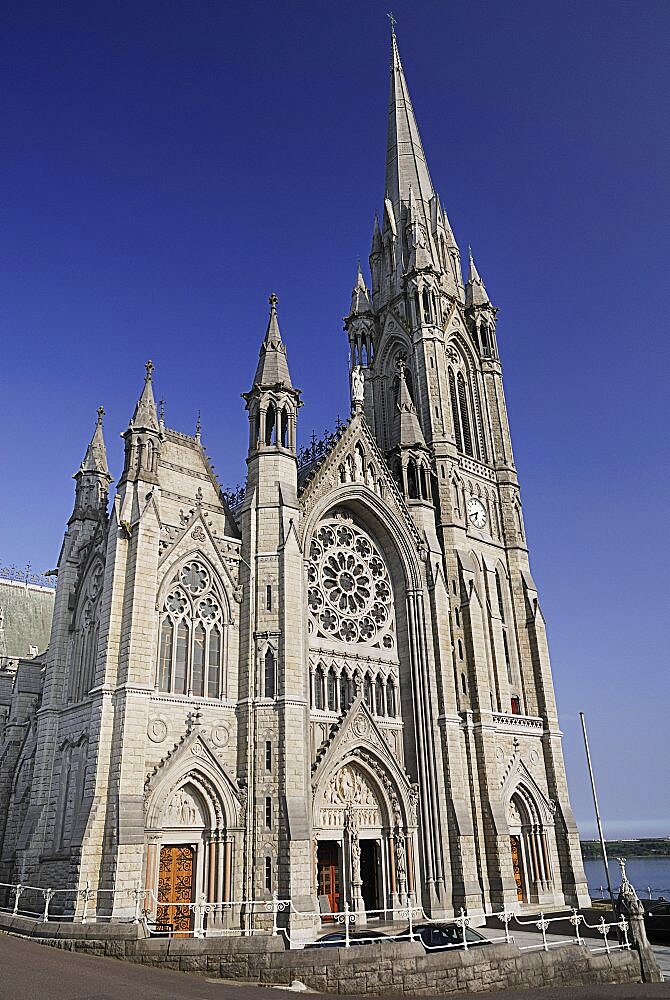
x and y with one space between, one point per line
425 344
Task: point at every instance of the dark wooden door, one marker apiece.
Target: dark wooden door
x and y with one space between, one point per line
329 874
175 888
517 866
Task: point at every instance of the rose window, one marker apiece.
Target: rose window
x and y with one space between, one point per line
349 596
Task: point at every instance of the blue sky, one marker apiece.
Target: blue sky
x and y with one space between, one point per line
167 166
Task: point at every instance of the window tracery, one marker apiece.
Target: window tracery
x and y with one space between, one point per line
350 597
190 654
84 643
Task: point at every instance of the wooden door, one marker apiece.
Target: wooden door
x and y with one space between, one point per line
329 875
517 867
175 887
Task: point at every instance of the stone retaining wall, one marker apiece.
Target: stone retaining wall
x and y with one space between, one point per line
386 968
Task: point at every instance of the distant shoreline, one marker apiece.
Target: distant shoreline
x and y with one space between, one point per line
645 847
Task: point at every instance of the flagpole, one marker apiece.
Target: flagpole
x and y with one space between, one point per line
595 803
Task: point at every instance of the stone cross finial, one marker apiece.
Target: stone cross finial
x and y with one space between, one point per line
101 413
393 22
150 369
273 300
161 410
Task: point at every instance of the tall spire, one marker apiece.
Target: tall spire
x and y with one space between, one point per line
92 478
272 364
360 297
95 459
475 292
406 164
145 415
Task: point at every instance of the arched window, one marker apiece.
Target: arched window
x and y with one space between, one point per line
501 605
268 874
345 692
332 690
460 650
390 698
411 480
465 417
270 424
454 411
84 645
464 684
270 679
190 646
284 428
319 689
484 337
379 696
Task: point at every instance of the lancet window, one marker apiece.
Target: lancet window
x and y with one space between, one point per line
465 407
191 646
84 643
333 690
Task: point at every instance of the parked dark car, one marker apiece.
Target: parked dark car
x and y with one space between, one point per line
657 919
444 937
337 939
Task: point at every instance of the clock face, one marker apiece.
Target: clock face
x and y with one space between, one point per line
477 512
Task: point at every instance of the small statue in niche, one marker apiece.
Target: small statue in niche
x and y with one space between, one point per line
357 385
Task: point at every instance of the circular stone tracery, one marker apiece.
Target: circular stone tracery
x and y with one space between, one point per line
350 596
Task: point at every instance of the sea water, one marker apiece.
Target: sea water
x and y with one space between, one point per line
644 873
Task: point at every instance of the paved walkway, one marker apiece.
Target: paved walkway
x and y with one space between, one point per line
30 970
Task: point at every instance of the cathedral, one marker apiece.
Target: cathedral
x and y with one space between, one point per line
333 686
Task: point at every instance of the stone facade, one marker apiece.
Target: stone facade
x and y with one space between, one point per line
337 688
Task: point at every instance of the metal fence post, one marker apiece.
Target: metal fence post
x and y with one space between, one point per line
138 892
463 920
18 889
410 911
84 912
274 913
199 910
576 920
346 924
47 893
542 925
604 930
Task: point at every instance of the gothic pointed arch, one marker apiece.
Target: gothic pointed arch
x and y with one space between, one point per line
194 762
373 769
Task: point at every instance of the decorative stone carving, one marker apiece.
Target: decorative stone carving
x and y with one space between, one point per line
350 799
182 810
350 596
198 533
220 735
157 730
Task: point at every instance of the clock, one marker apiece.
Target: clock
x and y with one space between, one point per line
476 512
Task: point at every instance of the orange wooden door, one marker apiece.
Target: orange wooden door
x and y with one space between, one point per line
515 847
328 875
175 888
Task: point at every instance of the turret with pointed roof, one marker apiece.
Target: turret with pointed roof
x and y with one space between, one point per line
143 436
272 401
92 477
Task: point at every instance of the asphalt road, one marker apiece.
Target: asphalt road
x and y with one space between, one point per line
29 971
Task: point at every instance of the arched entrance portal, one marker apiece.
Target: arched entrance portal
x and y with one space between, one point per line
189 854
362 844
529 848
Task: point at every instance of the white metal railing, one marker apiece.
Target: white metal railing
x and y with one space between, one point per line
203 918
